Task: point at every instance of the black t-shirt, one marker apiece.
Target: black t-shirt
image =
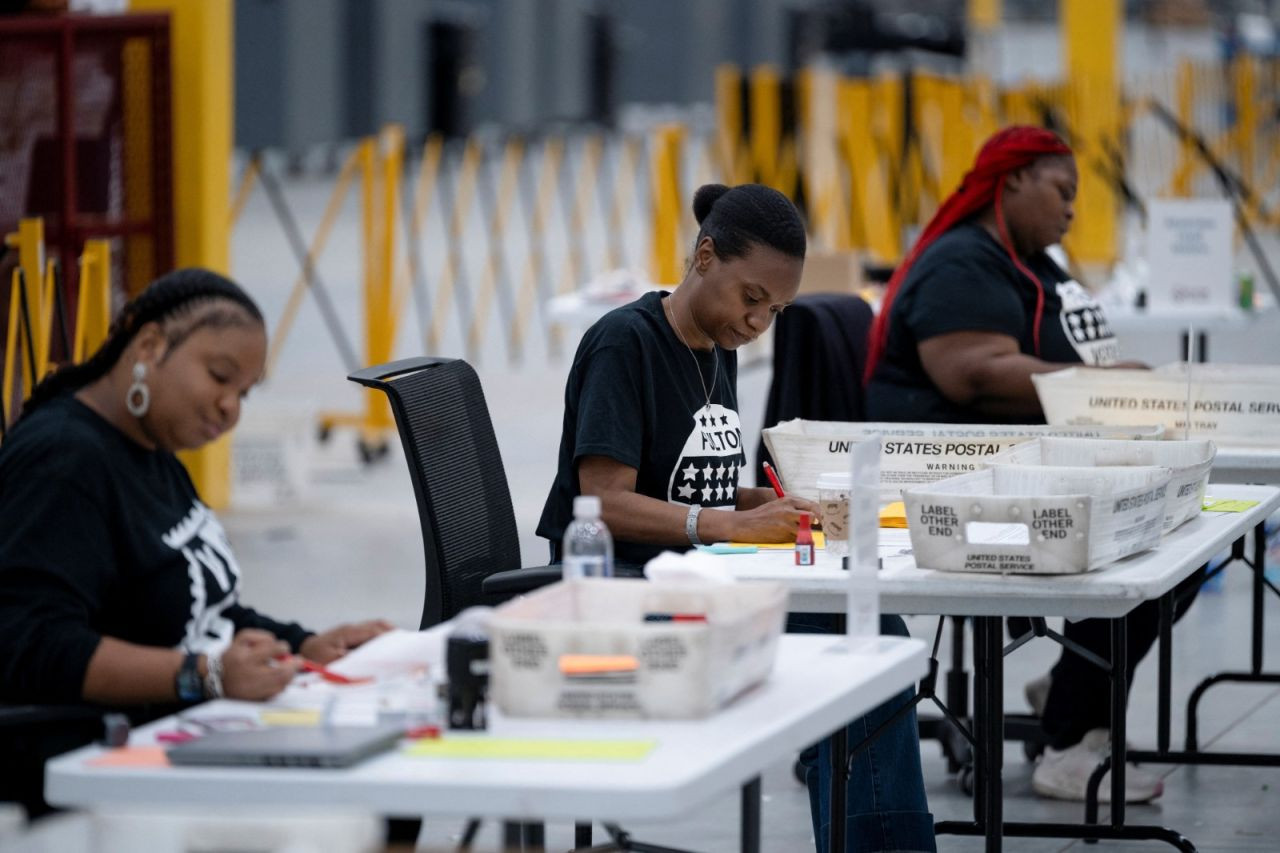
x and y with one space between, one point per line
966 281
632 395
101 537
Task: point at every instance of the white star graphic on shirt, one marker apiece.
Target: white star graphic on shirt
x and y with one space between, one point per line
719 469
732 470
686 491
719 492
706 493
728 492
689 472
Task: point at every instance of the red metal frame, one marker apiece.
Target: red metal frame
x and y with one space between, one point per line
65 237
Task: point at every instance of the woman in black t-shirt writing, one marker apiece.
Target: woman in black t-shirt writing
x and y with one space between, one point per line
651 413
651 426
975 309
117 585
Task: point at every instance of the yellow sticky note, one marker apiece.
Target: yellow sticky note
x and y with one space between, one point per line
531 749
894 515
819 541
1215 505
290 717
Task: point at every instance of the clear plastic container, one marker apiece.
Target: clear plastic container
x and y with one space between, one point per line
833 504
588 547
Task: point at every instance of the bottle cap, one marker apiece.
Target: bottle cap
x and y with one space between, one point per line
586 507
804 521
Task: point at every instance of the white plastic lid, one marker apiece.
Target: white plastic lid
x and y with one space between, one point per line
586 506
836 481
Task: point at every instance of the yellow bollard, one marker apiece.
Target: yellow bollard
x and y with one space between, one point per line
93 304
201 58
1244 78
1091 31
381 163
31 259
665 257
766 125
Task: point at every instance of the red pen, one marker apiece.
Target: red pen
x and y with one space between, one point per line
773 478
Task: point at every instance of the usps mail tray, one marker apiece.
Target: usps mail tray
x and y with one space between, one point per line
1232 404
1189 463
1020 519
910 454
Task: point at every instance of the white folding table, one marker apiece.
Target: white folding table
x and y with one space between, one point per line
1108 593
816 686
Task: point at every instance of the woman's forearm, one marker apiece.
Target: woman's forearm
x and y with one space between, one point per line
1003 386
633 517
121 673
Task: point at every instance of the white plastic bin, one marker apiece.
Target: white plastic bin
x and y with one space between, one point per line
682 669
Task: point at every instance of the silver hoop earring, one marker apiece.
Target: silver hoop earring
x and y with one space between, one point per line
138 398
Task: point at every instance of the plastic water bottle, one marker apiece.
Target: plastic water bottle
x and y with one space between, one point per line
588 547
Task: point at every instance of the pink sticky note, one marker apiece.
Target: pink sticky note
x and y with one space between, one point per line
132 756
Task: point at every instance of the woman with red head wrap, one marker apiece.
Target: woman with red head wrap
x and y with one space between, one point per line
975 308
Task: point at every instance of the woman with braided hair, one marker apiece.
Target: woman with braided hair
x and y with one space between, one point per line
117 585
975 309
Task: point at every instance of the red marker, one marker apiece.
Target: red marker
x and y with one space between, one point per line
773 478
804 542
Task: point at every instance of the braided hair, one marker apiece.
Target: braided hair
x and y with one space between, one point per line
737 218
172 296
1011 149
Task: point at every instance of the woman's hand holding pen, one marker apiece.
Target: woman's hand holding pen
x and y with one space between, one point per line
775 521
256 666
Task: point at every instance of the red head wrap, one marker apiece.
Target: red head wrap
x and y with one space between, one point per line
1007 151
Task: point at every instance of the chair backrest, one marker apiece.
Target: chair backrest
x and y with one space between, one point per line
464 504
819 352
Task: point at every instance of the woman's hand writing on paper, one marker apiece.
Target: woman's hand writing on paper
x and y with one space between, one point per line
256 666
336 642
775 521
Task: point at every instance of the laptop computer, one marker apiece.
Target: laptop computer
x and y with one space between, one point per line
287 746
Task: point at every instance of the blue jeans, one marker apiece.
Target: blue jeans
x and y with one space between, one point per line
886 808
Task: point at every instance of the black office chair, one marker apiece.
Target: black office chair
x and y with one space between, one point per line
468 525
470 542
31 734
819 352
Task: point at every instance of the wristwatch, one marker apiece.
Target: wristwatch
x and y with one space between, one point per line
190 686
691 524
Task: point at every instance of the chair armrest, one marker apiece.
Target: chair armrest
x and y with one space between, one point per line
517 581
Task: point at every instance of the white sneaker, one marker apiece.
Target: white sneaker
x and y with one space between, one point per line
1064 774
1037 692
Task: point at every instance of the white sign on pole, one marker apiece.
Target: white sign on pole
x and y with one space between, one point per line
863 619
1190 254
